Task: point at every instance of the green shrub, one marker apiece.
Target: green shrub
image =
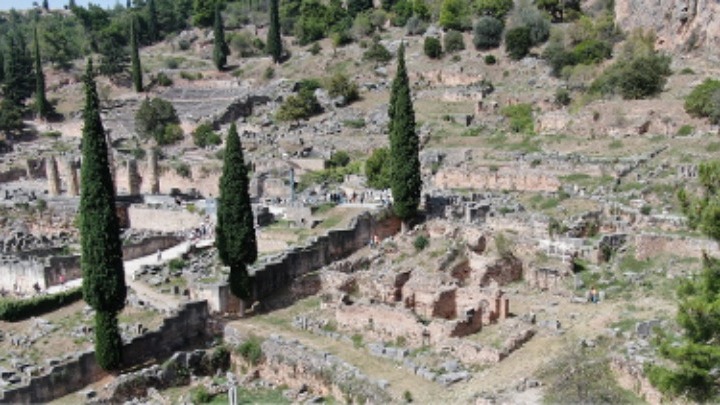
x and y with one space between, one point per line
420 242
535 21
562 97
205 136
51 134
191 76
183 170
220 359
520 116
251 350
12 310
377 170
268 73
341 86
687 71
339 159
415 26
432 47
299 106
487 33
645 209
454 15
557 57
685 130
494 8
377 52
157 118
517 42
357 340
200 395
490 59
591 51
176 264
354 123
407 396
315 48
704 100
638 77
453 41
163 80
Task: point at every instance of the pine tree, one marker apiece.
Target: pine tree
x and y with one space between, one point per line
135 57
104 286
274 42
235 233
221 49
696 352
153 25
405 181
42 107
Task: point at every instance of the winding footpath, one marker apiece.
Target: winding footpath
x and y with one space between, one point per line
163 302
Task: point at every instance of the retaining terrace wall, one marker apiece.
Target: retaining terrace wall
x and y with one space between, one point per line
188 327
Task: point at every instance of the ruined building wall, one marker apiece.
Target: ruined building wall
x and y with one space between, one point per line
337 244
185 329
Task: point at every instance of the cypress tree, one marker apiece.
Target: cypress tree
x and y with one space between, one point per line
274 42
71 4
45 5
42 107
18 83
153 26
135 57
221 49
104 286
405 181
235 231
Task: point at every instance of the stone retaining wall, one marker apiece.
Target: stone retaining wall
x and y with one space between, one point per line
185 329
336 245
652 245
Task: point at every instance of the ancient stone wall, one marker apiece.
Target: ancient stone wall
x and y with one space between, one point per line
337 244
511 179
291 363
162 220
15 174
181 331
149 245
653 245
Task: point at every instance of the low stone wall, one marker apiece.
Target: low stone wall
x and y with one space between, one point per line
162 220
504 179
185 329
21 274
652 245
149 246
291 363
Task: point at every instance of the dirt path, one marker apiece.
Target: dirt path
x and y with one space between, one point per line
163 302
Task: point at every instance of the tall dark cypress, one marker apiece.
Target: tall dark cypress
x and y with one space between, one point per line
18 82
135 57
153 25
45 5
274 42
221 49
405 180
104 287
235 232
42 107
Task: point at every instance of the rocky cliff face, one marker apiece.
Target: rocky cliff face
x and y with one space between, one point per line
680 25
